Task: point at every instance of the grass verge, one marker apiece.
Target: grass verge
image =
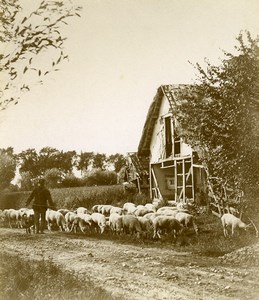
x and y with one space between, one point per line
32 280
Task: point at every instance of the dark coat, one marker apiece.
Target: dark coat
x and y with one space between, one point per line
42 199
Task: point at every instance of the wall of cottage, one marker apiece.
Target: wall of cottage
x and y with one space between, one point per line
157 145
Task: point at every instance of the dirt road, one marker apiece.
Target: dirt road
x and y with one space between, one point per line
139 271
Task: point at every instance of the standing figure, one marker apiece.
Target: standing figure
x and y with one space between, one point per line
42 201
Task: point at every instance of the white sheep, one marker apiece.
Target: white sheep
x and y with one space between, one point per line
106 209
99 221
161 209
140 206
131 225
146 225
116 209
229 220
12 215
85 221
151 216
187 220
72 221
168 212
140 212
115 223
151 207
167 224
82 210
54 217
129 207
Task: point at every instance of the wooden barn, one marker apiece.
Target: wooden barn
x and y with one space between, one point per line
175 172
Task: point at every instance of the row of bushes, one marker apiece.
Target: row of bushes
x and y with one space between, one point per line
71 198
95 177
56 179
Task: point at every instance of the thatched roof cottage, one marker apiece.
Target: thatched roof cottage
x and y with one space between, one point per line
174 170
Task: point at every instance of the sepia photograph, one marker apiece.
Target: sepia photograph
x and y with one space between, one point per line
129 149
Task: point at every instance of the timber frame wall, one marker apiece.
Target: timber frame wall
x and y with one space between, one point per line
180 177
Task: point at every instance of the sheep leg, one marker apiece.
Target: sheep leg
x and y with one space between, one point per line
48 225
156 233
72 227
101 229
75 227
81 227
225 231
18 222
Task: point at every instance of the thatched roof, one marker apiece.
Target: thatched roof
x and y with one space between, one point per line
174 93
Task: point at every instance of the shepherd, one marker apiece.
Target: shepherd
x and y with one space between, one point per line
42 201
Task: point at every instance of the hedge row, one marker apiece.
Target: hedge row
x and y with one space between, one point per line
72 198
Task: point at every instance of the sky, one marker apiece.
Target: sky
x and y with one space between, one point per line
120 52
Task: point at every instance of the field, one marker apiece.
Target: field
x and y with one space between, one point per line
75 197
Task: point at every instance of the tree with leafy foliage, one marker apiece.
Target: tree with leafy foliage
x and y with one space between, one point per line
26 181
117 160
48 158
28 42
67 161
220 118
83 161
28 161
99 161
7 167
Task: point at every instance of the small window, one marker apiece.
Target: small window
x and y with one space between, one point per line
170 182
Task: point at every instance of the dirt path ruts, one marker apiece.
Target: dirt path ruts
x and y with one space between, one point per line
137 272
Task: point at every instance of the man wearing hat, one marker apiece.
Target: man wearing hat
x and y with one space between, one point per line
42 201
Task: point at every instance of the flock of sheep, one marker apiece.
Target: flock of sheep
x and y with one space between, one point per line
142 220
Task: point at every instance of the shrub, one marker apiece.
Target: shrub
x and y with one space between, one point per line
53 177
13 200
71 180
100 177
140 199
